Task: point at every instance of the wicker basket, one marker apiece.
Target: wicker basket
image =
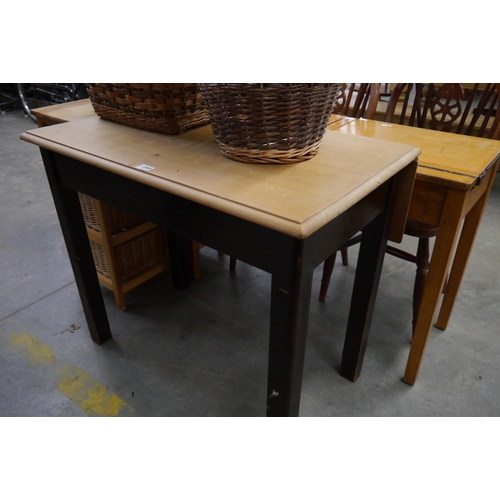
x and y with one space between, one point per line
118 219
269 123
135 256
163 107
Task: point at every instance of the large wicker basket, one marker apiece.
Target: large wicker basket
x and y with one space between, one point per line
272 122
164 107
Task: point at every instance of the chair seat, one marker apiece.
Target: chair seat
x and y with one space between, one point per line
420 229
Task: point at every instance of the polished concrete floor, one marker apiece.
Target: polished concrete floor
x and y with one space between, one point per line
203 351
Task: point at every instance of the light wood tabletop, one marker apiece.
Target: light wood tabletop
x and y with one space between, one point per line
449 159
295 199
65 112
454 177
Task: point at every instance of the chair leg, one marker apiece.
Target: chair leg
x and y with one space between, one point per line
327 274
343 251
330 262
423 258
345 256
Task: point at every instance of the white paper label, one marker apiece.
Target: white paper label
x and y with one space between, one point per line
145 167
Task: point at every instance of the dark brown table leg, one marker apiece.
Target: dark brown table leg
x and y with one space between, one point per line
290 300
80 255
180 254
368 270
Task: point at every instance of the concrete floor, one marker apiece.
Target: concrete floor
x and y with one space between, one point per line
203 351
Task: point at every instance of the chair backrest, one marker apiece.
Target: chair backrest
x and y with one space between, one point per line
358 100
448 107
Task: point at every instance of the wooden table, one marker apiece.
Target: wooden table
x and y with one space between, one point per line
453 182
283 219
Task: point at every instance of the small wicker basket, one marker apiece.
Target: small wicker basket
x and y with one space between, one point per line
118 220
133 257
271 122
171 108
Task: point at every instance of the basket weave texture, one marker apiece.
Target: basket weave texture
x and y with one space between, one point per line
135 256
117 219
171 108
272 122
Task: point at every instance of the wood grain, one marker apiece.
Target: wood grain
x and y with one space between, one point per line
294 199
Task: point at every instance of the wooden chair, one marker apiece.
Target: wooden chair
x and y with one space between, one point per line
357 100
449 108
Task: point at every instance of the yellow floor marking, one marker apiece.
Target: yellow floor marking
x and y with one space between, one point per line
92 397
77 385
33 350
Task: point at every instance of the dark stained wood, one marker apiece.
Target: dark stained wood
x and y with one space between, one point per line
447 107
180 255
290 298
371 258
74 232
358 100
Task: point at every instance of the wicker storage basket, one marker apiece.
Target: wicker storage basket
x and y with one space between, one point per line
272 122
135 256
118 219
164 107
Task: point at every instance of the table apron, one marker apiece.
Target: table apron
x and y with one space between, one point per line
477 192
428 200
247 241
